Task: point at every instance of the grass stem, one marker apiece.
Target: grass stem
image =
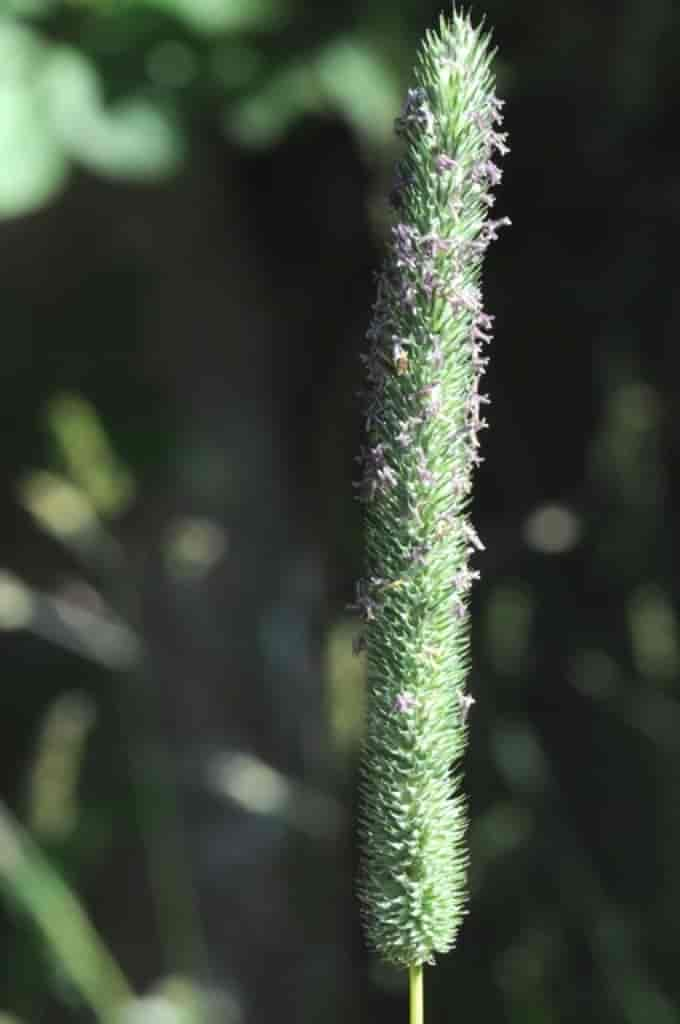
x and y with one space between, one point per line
415 985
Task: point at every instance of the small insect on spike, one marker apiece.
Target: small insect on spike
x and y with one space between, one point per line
427 353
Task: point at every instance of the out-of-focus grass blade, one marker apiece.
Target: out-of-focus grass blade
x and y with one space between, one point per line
100 638
65 512
36 887
88 454
52 791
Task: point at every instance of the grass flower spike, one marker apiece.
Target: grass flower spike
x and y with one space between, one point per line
424 414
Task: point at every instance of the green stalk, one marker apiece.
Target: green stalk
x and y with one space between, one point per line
415 983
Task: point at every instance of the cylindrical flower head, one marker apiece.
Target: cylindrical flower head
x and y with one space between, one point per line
424 413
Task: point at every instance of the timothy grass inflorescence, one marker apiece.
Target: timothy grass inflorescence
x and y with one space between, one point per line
424 413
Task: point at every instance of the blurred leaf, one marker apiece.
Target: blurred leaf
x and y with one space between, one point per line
638 996
345 675
88 455
654 634
519 756
595 673
552 529
263 117
66 513
625 454
51 108
52 796
17 607
155 1009
524 973
259 788
32 165
176 1000
193 547
59 507
347 77
135 138
37 888
100 638
212 16
171 64
509 621
498 832
357 81
29 8
234 65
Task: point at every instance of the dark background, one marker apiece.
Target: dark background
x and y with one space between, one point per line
192 194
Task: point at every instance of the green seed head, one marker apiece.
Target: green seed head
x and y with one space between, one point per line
424 413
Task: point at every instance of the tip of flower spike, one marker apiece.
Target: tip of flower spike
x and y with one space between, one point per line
461 19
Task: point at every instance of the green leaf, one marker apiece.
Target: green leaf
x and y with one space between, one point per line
355 79
87 453
132 139
348 77
32 164
211 16
264 116
39 890
28 9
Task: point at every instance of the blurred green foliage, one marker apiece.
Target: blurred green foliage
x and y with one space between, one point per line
27 877
52 114
121 102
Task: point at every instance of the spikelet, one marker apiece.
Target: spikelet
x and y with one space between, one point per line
424 413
